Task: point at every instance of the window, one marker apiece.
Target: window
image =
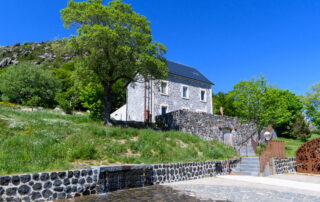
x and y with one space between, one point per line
203 95
164 87
164 109
185 92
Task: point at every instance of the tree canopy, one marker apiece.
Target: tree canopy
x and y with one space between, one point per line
261 102
225 100
114 43
312 104
29 84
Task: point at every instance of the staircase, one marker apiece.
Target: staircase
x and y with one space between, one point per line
247 150
249 164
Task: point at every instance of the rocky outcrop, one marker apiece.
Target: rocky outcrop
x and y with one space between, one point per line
32 52
5 62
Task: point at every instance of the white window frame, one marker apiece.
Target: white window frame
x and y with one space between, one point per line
185 86
164 105
167 88
205 95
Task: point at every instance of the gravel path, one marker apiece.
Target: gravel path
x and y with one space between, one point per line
247 188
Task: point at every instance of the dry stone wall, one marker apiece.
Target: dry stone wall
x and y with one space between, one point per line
287 165
48 186
94 180
230 130
166 173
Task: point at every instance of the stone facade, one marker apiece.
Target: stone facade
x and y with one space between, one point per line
173 99
48 186
287 165
94 180
209 127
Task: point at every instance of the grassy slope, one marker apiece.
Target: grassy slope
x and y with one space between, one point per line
43 140
292 144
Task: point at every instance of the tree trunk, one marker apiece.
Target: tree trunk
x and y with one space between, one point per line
107 103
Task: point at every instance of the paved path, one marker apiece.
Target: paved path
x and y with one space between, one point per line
247 188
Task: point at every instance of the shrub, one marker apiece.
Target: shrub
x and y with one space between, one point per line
300 128
9 105
92 98
28 83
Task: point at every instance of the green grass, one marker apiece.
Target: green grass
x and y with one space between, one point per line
293 144
44 141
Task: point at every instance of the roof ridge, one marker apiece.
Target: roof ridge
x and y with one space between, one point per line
186 71
182 64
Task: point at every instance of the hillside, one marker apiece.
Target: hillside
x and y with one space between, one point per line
32 141
31 52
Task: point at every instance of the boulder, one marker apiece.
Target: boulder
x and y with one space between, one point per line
5 62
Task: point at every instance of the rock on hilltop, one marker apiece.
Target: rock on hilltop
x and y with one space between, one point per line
32 52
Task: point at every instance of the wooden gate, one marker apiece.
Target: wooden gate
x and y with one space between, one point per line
273 149
308 157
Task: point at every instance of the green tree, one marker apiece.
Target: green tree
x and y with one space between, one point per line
248 99
311 103
282 109
92 99
225 100
257 100
114 43
69 97
26 83
300 128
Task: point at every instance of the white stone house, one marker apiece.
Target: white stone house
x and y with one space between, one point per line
185 89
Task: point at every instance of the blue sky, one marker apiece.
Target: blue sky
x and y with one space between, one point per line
228 41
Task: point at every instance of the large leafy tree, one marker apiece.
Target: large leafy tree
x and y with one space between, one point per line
113 43
283 109
312 104
257 100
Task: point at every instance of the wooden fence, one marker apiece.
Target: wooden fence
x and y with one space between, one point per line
273 149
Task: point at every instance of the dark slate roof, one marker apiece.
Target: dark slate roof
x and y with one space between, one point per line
185 71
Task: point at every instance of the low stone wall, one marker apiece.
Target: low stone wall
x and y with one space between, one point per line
48 186
208 126
94 180
166 173
114 178
287 165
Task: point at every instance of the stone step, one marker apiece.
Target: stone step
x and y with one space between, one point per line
249 160
249 166
248 173
249 170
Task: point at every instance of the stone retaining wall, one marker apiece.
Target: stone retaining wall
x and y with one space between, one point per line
48 186
93 180
166 173
287 165
208 126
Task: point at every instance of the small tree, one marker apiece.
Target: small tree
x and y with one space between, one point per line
114 43
92 99
248 99
26 83
312 104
